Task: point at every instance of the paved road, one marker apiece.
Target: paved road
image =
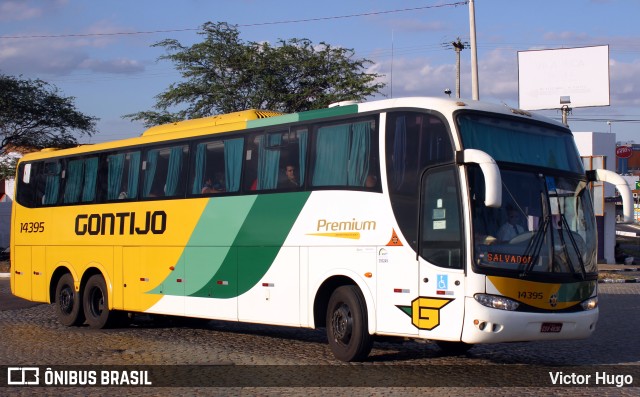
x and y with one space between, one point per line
31 336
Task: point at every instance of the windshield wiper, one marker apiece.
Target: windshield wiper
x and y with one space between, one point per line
535 245
565 226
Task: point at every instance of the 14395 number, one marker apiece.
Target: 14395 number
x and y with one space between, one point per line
530 295
31 227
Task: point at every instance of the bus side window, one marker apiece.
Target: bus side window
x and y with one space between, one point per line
122 175
27 191
414 142
217 166
262 161
80 178
343 154
50 183
441 221
165 171
293 159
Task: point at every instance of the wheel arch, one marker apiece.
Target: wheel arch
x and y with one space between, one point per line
92 270
60 270
79 282
326 288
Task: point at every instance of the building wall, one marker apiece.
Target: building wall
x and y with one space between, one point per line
602 144
631 164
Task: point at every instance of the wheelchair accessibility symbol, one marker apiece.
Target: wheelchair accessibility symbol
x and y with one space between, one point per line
443 281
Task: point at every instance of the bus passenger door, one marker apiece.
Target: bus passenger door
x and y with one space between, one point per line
439 310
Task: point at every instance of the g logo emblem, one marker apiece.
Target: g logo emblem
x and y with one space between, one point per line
425 312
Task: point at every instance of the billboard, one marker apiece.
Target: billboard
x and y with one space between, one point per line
578 74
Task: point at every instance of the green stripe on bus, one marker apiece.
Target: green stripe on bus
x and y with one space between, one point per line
218 225
257 244
269 121
330 112
576 292
248 232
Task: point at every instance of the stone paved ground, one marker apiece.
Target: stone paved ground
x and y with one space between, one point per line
32 336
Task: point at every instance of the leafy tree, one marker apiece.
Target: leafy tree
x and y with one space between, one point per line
8 166
34 115
223 74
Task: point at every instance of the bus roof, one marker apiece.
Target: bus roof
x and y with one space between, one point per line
221 119
248 119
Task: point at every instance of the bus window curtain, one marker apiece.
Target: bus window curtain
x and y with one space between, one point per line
134 170
116 166
268 162
359 154
332 151
73 184
302 149
233 151
90 178
173 173
200 166
52 186
399 152
150 171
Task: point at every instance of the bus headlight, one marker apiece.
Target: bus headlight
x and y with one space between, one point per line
496 302
590 303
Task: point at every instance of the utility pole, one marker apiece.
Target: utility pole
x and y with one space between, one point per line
475 89
457 45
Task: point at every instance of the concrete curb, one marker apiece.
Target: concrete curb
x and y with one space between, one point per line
618 281
626 269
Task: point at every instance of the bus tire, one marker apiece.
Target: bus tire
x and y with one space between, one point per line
68 304
347 325
95 302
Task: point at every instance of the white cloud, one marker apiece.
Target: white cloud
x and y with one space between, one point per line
63 55
624 83
18 11
22 10
120 66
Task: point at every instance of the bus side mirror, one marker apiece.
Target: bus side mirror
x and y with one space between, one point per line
490 171
620 184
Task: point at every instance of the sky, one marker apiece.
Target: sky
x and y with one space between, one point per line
101 52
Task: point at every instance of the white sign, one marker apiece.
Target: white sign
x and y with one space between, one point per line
580 75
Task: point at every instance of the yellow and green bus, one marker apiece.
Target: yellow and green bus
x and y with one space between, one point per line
454 221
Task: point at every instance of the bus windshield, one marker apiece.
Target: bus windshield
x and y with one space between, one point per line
545 224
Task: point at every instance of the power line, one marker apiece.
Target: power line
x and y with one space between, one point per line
55 36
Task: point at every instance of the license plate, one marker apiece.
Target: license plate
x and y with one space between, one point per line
551 327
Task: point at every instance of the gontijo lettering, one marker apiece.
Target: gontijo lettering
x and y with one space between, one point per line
120 223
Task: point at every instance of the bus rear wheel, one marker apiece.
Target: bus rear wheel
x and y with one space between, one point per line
67 303
347 328
96 303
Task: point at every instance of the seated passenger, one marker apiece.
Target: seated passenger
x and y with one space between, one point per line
212 187
371 181
289 181
511 228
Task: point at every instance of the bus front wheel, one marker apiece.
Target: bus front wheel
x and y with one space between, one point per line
95 302
347 328
68 304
